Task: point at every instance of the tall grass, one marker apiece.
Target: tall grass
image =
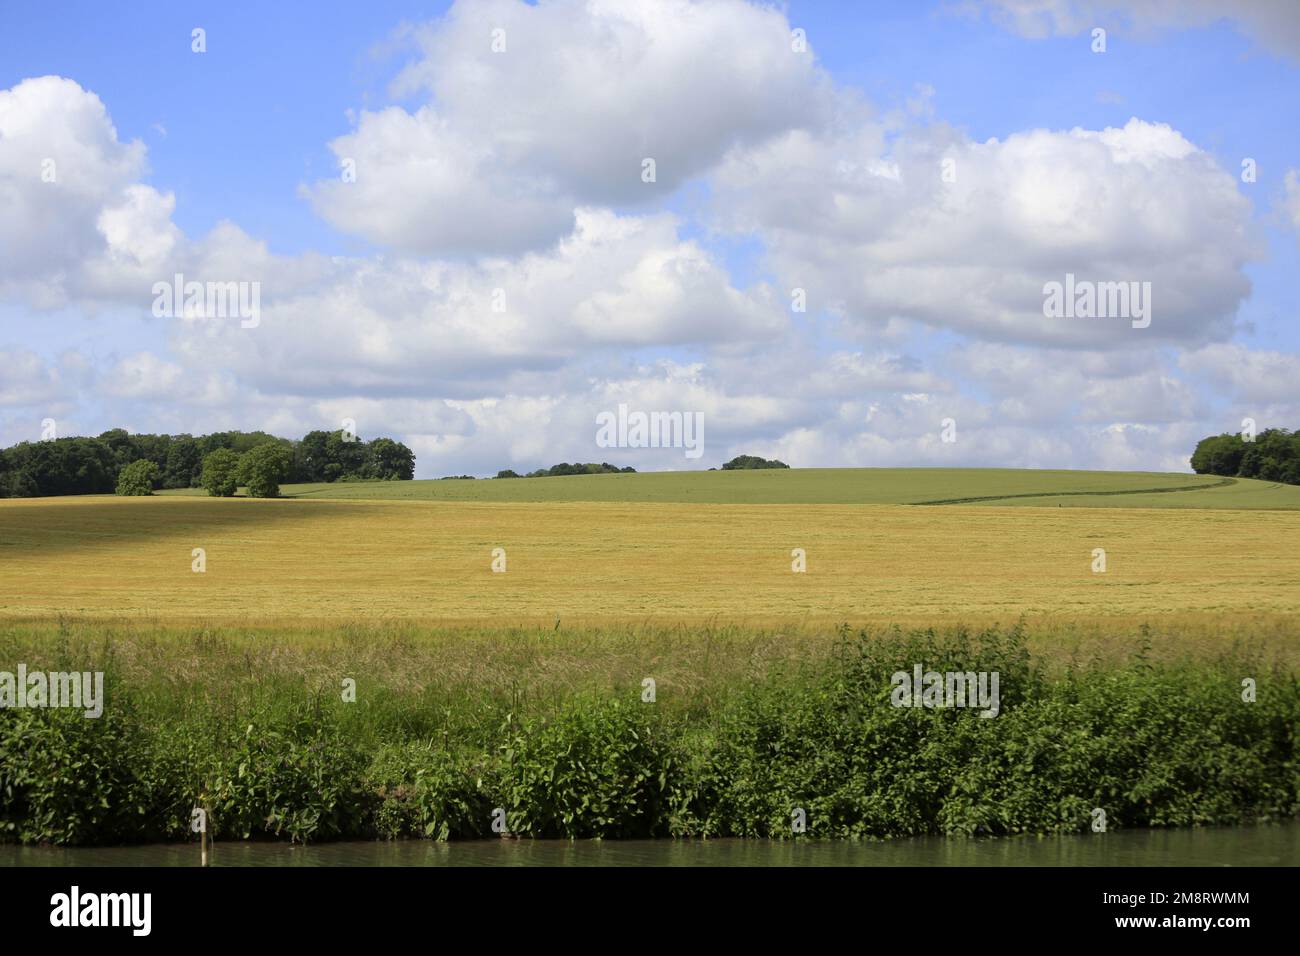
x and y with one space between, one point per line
552 730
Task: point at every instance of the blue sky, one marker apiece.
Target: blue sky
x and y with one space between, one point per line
243 134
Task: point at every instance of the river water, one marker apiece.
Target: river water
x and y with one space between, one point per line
1227 846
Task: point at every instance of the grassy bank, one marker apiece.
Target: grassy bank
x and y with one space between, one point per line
552 728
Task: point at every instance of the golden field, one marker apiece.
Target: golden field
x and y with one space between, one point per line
594 563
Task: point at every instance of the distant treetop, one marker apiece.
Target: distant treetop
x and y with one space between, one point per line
564 468
748 462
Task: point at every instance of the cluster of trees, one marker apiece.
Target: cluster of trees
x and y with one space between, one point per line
260 470
88 466
1274 455
339 456
747 462
605 468
564 468
125 463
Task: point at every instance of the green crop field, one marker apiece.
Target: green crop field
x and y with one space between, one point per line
1001 486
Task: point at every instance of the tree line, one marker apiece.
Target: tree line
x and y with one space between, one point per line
139 464
751 462
564 468
740 462
1274 455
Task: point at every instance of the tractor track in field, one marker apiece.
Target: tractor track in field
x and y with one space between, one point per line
1072 494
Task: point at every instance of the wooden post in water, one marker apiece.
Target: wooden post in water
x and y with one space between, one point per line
199 824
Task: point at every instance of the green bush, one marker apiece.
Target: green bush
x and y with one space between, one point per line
600 768
1174 746
426 791
1167 745
296 777
66 779
138 479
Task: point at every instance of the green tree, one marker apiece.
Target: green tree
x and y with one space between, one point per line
263 467
750 462
1219 455
64 466
184 463
345 457
220 475
118 442
1250 462
313 456
390 460
138 478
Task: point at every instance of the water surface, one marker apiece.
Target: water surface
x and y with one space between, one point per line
1227 846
